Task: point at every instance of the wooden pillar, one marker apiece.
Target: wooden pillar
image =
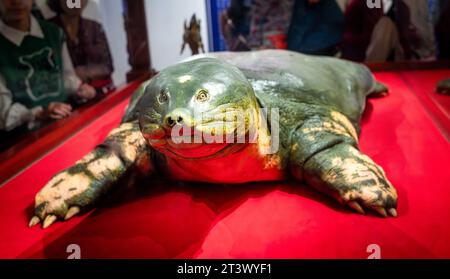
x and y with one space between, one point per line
137 39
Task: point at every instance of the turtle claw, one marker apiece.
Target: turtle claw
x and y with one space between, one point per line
381 211
34 221
355 206
72 212
393 212
49 220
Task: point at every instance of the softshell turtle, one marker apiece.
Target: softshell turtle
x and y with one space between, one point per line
235 118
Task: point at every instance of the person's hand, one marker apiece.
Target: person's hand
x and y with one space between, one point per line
56 110
86 92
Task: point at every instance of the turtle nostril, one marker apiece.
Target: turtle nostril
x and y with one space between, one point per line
174 120
176 117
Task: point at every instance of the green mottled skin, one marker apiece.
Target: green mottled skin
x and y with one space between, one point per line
320 102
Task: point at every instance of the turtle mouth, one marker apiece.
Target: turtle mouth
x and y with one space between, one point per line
208 134
183 136
205 140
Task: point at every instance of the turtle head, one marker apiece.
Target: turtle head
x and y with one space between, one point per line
197 109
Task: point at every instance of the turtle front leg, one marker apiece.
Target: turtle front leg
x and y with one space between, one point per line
80 186
325 155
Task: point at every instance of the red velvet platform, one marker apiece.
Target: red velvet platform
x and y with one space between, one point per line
403 133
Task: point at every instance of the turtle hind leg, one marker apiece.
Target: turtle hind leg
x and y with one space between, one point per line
379 90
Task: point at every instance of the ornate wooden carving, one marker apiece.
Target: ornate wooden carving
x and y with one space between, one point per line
137 39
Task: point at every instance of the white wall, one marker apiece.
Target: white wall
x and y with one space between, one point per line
110 14
165 24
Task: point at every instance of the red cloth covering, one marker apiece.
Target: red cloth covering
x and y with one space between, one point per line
260 220
423 85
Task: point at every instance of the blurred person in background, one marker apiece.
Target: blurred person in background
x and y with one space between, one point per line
36 72
399 30
36 11
415 24
442 30
316 27
370 34
87 44
235 25
269 25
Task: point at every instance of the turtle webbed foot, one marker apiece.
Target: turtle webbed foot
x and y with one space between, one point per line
62 198
352 178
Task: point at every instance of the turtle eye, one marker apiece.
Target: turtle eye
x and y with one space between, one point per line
163 97
202 96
